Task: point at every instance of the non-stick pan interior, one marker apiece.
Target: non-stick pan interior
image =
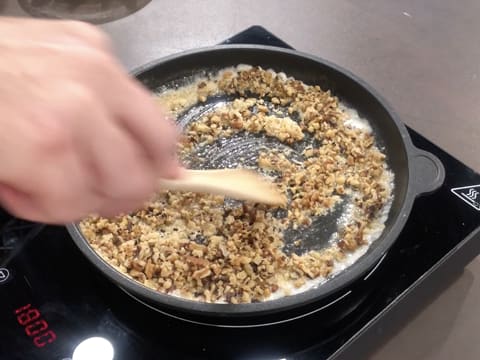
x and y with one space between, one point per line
390 134
242 149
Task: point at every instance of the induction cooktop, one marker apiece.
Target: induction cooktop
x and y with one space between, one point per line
54 305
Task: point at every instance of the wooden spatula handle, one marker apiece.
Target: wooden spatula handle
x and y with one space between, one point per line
239 184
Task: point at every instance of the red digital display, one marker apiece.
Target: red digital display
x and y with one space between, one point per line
35 327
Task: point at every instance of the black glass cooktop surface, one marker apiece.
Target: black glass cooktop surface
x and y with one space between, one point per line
53 303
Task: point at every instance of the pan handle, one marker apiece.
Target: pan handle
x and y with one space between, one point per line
428 172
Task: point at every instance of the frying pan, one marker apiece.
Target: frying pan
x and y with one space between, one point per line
416 172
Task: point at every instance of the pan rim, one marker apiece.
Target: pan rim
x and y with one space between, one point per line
287 302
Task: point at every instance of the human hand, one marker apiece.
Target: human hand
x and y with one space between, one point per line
78 135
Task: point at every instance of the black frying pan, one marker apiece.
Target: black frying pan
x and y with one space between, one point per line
416 172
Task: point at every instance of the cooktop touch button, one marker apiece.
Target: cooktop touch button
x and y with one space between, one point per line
94 348
4 275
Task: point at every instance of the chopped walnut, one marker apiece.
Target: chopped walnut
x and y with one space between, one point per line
191 245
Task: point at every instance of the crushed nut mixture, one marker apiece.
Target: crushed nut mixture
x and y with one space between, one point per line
194 246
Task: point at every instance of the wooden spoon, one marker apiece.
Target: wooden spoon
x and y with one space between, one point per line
240 184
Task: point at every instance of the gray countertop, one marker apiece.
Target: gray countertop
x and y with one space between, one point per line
423 56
